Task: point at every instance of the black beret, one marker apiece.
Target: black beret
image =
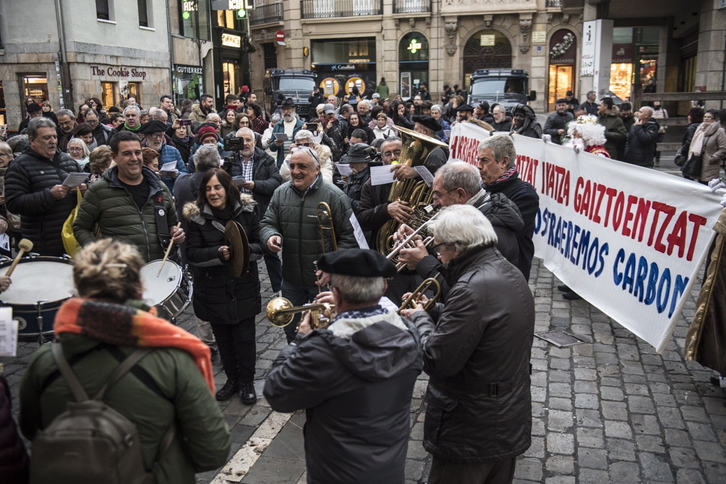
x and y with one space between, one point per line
153 127
428 121
288 103
34 107
357 262
358 153
464 108
562 101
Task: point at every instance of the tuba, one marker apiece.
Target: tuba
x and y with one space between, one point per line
416 148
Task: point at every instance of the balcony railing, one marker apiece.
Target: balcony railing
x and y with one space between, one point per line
554 3
266 13
340 8
412 6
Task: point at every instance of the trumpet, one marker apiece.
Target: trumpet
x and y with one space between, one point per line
325 223
411 301
427 241
280 312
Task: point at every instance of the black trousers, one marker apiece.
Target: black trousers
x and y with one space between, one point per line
495 472
237 349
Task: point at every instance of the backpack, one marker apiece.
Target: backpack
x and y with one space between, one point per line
90 441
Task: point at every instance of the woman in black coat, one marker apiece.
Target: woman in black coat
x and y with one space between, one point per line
354 123
229 303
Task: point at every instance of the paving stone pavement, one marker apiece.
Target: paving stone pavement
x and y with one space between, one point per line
610 410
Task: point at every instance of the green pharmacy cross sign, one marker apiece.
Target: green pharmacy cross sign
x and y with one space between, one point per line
414 46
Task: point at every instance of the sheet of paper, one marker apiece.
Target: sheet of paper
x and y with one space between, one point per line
344 169
74 179
169 167
281 136
381 175
238 180
388 304
425 175
8 333
358 233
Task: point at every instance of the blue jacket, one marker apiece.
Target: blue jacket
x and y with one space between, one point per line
169 153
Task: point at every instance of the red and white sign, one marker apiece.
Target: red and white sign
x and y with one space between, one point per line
280 37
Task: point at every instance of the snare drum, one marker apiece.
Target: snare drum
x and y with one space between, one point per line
170 292
40 285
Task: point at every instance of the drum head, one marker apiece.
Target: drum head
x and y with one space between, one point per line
158 288
35 279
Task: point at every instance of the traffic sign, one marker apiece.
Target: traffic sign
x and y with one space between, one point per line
280 37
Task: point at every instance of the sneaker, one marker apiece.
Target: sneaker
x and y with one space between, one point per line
228 390
248 393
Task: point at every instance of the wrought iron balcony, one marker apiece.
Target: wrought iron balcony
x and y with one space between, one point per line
263 14
340 8
554 3
411 6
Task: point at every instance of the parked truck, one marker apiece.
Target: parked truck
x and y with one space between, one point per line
507 87
297 84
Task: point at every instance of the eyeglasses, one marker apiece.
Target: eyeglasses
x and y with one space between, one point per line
391 153
439 195
436 249
306 149
75 148
157 135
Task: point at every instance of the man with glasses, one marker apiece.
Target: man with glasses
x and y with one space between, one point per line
101 133
291 224
153 132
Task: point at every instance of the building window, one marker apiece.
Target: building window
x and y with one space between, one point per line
194 19
35 86
487 48
270 55
143 13
109 94
103 10
2 107
413 55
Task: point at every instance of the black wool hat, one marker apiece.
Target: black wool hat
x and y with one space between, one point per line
153 127
428 121
34 107
464 108
357 262
562 101
358 153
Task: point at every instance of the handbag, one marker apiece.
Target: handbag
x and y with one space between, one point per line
69 240
680 158
692 167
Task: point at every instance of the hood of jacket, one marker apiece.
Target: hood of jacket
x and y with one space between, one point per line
193 213
374 348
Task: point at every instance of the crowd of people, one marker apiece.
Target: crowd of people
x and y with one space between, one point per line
301 191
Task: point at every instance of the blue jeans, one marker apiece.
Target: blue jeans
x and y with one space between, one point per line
298 295
274 269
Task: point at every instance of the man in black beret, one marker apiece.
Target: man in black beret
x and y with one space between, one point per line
35 110
557 121
355 378
464 113
153 132
358 157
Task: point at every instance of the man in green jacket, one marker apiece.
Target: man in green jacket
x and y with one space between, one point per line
127 202
292 224
615 132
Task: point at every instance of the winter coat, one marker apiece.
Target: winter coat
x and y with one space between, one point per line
170 391
713 153
688 137
556 122
264 173
526 199
280 128
293 215
102 134
355 380
372 210
640 145
530 128
476 351
13 456
218 296
615 132
27 193
354 185
198 115
168 154
108 204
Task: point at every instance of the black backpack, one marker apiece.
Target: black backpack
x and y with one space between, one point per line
90 441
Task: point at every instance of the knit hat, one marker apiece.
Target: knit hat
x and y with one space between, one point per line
207 132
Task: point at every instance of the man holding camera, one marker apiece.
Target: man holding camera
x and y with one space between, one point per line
255 172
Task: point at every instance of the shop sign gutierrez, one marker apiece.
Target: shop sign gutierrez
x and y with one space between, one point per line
120 72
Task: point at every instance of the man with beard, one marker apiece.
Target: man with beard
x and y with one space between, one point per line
626 114
101 133
66 125
35 110
615 132
255 172
524 122
132 123
167 105
556 122
481 112
501 121
290 224
290 124
154 138
590 105
34 188
497 157
364 111
203 109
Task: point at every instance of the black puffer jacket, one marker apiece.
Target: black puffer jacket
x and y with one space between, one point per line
13 457
476 350
27 192
355 380
264 173
640 146
218 296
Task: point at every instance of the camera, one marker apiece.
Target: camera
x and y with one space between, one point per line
234 144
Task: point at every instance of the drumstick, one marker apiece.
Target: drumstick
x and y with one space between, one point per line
168 251
25 246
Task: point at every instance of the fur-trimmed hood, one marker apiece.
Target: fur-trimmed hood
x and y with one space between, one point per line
193 213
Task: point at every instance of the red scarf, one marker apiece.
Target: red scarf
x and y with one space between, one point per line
121 325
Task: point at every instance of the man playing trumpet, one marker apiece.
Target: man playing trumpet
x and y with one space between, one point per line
355 378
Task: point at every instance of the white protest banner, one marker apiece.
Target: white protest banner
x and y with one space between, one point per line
629 240
464 141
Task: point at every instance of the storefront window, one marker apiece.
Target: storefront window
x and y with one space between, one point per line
348 62
231 71
413 55
2 105
129 89
35 86
487 48
109 94
562 55
187 82
194 18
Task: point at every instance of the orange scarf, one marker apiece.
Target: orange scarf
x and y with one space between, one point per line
121 325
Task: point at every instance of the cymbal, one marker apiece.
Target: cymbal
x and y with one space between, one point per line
236 239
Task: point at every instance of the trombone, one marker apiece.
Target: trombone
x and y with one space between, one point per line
280 312
325 223
411 301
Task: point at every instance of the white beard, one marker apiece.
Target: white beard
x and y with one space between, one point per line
289 118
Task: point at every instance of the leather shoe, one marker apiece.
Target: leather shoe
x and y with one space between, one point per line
227 391
248 394
718 382
572 296
564 288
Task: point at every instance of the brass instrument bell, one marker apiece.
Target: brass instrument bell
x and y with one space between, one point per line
280 312
411 301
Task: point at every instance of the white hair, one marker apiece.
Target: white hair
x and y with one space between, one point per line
463 227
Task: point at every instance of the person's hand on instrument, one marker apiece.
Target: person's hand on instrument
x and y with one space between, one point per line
178 235
224 252
274 243
399 211
402 232
323 278
325 297
403 172
5 282
412 256
59 192
304 326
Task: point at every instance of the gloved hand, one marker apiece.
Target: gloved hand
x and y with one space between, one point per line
723 201
575 148
715 184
